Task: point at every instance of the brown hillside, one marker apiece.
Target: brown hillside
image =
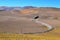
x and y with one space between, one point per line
31 10
50 11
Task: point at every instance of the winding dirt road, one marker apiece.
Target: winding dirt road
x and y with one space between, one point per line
50 28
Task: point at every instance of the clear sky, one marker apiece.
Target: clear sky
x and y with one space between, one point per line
38 3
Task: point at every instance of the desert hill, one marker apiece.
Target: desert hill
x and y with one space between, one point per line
30 11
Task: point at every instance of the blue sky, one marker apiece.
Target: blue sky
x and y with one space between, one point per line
38 3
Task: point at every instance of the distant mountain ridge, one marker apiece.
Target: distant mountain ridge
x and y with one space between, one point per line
25 7
9 8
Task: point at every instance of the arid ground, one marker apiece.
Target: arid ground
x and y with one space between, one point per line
17 22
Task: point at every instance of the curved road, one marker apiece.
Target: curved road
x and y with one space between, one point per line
50 28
